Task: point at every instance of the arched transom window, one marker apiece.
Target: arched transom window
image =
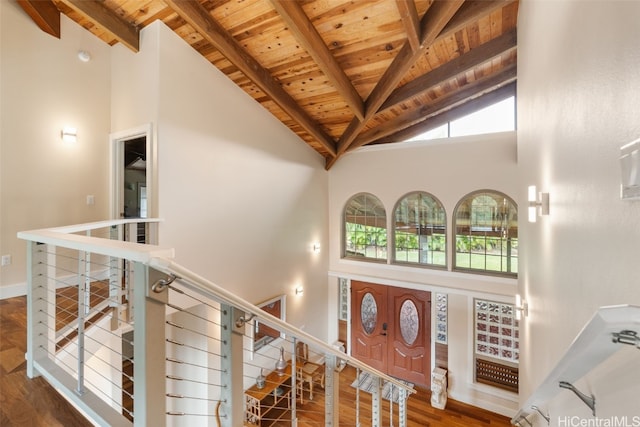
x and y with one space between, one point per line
365 228
486 227
420 230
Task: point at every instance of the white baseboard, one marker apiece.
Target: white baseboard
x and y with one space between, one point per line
20 289
11 291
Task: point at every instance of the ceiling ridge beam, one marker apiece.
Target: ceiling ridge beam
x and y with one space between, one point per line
411 22
99 14
432 23
453 113
461 96
305 32
481 54
44 13
202 21
466 14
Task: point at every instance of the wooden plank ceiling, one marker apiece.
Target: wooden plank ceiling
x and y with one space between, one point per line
341 74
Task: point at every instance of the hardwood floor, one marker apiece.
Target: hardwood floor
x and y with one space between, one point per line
420 413
25 402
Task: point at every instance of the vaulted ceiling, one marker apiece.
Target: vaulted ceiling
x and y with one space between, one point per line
341 74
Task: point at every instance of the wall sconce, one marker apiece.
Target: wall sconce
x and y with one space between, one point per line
299 291
69 134
521 307
316 248
538 203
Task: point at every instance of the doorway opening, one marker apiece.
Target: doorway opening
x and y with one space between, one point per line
135 178
132 189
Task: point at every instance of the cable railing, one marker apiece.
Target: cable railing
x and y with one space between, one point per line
608 330
131 337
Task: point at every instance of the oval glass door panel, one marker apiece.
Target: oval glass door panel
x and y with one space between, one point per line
369 313
409 322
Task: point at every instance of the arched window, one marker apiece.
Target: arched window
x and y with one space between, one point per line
486 227
420 230
365 228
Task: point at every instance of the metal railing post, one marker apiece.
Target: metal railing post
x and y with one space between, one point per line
149 358
152 233
376 404
37 305
86 274
332 393
402 407
294 383
231 364
358 399
115 282
130 235
83 298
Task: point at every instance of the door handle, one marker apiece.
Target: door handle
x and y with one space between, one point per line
384 329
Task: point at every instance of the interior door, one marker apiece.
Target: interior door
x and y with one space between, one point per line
369 324
409 342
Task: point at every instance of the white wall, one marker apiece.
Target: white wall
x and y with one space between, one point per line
44 181
243 199
448 169
578 103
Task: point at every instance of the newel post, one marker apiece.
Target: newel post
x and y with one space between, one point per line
38 309
149 358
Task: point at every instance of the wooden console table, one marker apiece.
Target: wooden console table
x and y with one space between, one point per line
272 403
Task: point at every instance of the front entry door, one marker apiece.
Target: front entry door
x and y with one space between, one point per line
369 327
409 350
391 330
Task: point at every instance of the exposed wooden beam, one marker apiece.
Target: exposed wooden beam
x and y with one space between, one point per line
454 113
470 11
99 14
202 21
442 104
44 13
306 33
411 22
431 25
483 53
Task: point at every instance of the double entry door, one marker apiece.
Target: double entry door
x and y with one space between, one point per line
391 330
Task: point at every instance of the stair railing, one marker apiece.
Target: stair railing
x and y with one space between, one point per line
79 279
175 349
